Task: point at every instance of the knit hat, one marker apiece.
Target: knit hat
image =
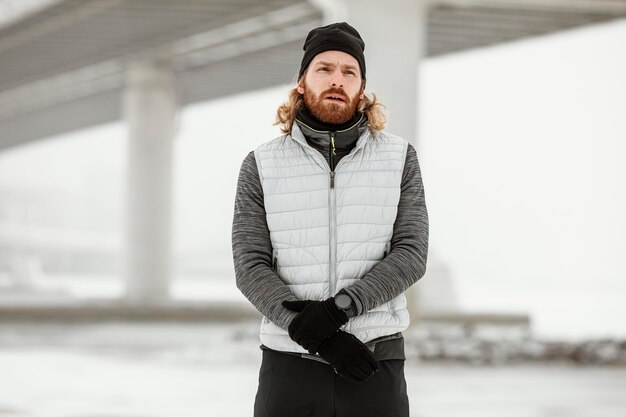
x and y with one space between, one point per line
333 37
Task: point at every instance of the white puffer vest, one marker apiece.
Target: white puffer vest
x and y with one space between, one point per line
328 232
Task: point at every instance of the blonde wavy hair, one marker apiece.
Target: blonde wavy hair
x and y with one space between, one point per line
370 106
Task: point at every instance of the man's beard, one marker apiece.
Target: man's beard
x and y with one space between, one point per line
327 111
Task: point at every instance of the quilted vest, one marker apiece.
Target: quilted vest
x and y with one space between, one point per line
328 229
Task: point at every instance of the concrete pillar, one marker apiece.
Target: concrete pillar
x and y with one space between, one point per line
150 106
394 32
394 35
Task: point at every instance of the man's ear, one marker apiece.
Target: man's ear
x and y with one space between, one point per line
300 87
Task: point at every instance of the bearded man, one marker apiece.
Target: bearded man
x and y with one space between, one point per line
330 228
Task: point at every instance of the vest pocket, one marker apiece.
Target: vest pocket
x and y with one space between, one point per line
387 249
275 260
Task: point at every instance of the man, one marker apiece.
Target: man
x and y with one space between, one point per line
330 228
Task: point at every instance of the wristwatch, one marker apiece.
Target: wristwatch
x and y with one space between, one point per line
344 302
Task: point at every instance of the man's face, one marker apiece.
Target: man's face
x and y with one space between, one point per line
332 86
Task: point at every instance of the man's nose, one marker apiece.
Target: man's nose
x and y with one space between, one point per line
336 80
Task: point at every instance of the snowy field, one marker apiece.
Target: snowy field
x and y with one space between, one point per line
189 370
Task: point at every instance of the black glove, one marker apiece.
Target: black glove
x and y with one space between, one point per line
317 321
349 357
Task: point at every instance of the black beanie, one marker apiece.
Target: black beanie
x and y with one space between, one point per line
333 37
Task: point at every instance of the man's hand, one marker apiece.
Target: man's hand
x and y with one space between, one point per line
350 358
317 321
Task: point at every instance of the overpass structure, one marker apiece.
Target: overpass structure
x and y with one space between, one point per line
72 64
65 67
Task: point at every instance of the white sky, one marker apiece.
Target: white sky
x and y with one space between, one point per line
12 10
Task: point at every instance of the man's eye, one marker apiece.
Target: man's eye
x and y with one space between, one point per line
350 72
324 69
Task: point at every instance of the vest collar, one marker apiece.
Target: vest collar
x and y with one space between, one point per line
318 133
299 130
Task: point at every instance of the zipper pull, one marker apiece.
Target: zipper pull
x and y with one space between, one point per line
331 151
332 179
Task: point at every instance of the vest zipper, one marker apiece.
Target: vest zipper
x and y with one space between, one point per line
332 149
333 220
331 152
333 238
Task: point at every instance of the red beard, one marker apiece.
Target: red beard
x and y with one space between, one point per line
329 111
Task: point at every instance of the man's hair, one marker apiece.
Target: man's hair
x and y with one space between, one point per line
373 109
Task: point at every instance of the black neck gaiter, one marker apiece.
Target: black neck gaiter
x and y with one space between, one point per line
318 134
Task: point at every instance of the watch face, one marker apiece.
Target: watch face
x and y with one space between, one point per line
343 301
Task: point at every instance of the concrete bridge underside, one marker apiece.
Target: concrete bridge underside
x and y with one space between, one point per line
63 68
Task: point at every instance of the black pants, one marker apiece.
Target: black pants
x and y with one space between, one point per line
292 386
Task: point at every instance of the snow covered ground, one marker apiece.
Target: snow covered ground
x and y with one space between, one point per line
188 370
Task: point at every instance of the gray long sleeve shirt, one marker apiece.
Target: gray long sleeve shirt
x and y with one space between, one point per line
401 268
